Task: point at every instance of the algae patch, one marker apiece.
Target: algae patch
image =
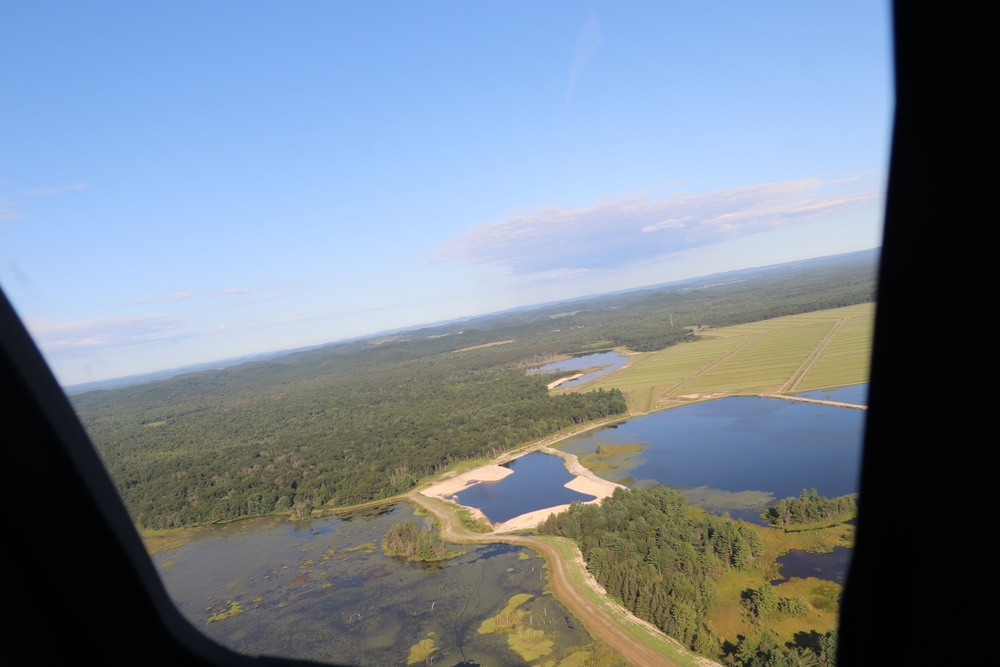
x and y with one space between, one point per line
524 640
234 609
609 457
720 500
422 650
367 547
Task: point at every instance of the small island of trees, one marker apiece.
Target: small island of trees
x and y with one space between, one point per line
811 508
412 542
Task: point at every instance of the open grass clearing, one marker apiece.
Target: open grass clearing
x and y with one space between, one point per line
730 617
755 358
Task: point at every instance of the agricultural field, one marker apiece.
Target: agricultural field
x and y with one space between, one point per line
784 355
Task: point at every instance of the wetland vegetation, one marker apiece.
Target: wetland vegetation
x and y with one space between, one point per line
810 510
320 589
412 542
304 435
366 420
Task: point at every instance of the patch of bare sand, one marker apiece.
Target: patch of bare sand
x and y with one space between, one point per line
585 482
529 520
450 487
553 385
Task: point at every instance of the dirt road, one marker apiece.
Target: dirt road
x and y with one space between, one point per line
601 624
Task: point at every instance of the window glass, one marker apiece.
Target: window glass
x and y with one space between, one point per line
293 258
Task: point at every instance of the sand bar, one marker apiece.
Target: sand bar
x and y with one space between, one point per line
450 487
584 481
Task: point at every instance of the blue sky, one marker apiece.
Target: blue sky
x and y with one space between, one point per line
189 181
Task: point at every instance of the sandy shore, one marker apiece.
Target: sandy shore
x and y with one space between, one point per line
584 481
448 488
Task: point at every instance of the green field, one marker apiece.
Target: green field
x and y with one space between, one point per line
784 355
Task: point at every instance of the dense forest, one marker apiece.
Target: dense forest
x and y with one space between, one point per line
660 558
365 420
204 448
809 508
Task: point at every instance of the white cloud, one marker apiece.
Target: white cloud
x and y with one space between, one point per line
86 335
178 296
619 231
54 189
7 214
235 290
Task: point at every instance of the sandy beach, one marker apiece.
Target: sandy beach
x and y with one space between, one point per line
448 488
584 481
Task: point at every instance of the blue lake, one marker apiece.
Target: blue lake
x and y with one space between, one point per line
537 483
609 361
718 451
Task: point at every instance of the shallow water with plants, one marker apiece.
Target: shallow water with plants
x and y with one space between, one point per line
324 590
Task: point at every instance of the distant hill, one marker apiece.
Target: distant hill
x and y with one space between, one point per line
863 260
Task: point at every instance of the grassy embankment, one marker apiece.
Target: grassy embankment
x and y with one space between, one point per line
637 631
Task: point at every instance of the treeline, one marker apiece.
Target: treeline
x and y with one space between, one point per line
412 542
208 448
364 420
810 649
810 507
657 317
660 557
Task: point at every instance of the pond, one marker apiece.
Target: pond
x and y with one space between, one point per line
733 454
324 590
608 361
537 483
831 566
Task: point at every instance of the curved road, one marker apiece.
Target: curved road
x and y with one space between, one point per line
598 622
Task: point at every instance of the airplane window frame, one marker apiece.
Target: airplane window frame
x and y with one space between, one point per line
57 473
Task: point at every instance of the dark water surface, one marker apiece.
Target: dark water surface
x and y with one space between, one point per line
308 591
830 566
735 445
537 483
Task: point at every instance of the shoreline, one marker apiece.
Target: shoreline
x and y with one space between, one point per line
584 481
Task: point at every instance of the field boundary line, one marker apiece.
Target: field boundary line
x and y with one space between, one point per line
796 378
728 355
